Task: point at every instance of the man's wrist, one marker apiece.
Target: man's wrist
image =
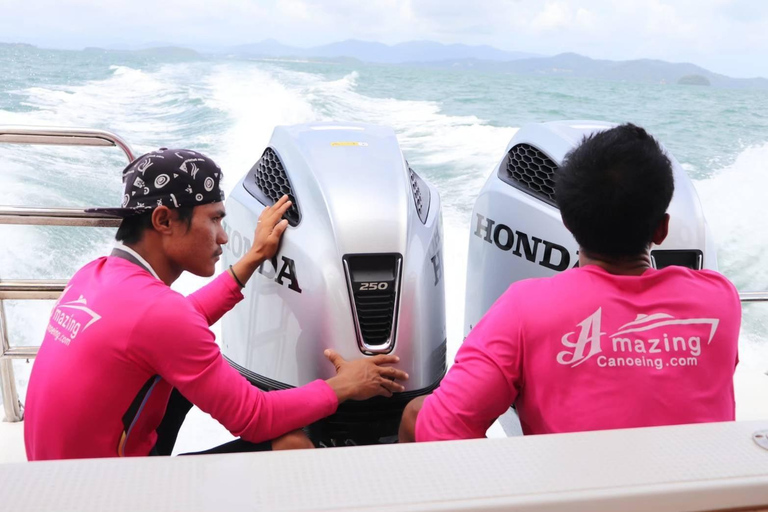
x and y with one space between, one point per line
237 279
338 388
252 261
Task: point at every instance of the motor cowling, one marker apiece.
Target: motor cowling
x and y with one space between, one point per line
358 270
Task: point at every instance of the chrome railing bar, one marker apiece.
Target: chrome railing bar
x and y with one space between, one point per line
64 137
31 289
13 408
753 296
20 353
25 211
55 217
33 284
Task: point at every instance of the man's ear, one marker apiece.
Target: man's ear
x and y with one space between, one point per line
161 220
662 230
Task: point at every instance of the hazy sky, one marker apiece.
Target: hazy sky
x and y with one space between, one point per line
727 36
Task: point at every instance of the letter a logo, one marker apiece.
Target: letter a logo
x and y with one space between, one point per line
589 335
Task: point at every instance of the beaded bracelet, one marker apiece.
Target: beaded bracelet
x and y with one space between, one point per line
235 276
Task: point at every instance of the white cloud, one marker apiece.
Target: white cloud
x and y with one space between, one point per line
294 9
556 15
730 36
586 19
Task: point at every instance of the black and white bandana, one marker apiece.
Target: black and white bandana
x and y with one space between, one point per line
167 177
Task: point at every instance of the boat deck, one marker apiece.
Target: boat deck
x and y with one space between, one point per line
715 466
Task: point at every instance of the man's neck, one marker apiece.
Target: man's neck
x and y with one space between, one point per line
166 271
623 266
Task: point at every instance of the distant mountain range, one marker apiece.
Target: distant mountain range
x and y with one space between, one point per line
489 59
472 58
379 53
574 65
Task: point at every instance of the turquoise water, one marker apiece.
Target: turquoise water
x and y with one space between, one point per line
453 127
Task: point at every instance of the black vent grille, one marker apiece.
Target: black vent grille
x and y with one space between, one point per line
374 281
375 314
530 170
437 359
268 182
692 258
421 201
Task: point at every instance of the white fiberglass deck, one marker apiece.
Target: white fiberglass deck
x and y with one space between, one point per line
714 466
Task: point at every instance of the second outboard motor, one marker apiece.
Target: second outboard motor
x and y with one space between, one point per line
517 233
358 270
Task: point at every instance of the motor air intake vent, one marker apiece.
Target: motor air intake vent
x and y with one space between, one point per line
268 182
374 281
693 258
422 200
530 170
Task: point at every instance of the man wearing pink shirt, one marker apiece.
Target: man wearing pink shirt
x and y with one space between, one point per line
124 356
611 344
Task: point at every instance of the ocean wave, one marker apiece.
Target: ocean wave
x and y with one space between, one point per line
733 200
254 102
125 70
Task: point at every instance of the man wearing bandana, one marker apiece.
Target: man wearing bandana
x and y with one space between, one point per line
124 356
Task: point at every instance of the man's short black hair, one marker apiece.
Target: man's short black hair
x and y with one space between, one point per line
613 191
132 228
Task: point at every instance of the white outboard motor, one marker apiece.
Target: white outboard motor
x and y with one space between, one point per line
517 232
358 270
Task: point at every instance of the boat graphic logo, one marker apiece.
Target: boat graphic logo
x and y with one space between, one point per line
588 343
67 319
648 322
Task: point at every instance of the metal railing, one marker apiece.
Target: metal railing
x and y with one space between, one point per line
42 289
753 296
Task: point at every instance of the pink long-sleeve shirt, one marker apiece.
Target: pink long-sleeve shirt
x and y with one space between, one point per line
588 350
118 333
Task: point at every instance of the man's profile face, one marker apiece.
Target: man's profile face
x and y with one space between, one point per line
198 248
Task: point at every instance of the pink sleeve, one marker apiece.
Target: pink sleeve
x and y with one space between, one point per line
216 298
180 347
480 386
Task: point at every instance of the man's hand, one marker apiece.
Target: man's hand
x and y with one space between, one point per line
364 378
269 229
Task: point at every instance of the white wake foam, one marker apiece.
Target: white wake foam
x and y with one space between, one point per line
734 202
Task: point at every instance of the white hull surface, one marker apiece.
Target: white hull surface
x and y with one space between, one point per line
716 466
